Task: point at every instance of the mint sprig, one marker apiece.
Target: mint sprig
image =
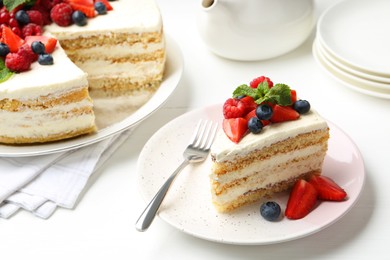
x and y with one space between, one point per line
12 4
5 73
279 94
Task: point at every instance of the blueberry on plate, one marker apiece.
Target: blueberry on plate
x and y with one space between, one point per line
38 47
100 8
270 210
255 125
22 17
264 112
302 106
4 49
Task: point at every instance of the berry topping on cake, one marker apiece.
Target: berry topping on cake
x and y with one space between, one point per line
235 128
255 82
61 14
265 102
270 210
22 21
303 198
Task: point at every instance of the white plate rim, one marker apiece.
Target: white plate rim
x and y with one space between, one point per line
347 5
348 81
172 76
168 214
378 81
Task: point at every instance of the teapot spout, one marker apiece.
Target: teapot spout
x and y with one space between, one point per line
208 4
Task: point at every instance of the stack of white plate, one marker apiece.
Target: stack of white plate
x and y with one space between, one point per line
353 45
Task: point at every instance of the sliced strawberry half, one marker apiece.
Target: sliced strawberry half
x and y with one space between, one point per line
293 96
85 6
235 128
11 39
49 42
302 200
283 113
327 189
106 3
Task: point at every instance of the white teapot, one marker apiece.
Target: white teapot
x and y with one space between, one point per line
254 29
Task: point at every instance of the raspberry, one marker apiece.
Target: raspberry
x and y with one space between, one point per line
61 14
16 62
234 108
255 82
4 17
31 29
35 17
26 51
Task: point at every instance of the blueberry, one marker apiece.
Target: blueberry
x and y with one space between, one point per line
302 106
38 47
79 18
22 17
4 49
264 112
255 125
45 59
100 8
270 210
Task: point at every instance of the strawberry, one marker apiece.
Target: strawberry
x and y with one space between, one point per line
253 114
293 96
302 200
11 39
106 3
256 81
249 103
327 189
85 6
283 113
49 42
235 128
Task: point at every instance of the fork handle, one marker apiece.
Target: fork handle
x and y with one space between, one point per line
151 209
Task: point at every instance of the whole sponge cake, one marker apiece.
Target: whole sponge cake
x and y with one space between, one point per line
117 59
122 52
261 164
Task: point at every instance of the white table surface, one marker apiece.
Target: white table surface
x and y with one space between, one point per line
102 224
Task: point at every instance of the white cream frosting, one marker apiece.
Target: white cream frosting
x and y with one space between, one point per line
130 16
42 80
224 149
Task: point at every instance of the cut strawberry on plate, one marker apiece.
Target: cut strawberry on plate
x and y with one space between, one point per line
11 39
327 189
235 128
49 42
283 113
85 6
302 200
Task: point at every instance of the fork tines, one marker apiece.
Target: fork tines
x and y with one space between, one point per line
204 134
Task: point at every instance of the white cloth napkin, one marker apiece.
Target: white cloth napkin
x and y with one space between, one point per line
40 184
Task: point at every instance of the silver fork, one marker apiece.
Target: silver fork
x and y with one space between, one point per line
197 151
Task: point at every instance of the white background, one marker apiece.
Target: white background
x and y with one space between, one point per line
102 225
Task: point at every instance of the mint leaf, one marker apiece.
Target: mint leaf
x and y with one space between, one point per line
5 73
12 4
279 94
245 90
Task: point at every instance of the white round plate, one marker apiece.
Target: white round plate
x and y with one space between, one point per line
188 206
355 83
172 75
357 32
379 81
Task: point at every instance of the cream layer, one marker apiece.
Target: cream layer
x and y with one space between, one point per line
43 80
136 71
273 175
128 16
41 123
117 51
224 149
